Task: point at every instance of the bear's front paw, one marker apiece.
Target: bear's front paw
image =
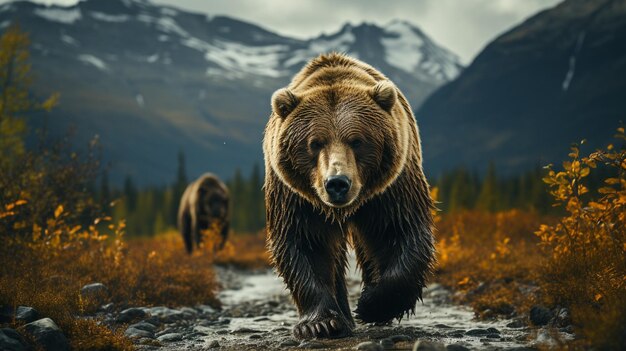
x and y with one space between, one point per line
326 325
380 305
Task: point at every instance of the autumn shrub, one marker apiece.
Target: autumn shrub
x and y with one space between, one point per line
491 257
245 251
586 249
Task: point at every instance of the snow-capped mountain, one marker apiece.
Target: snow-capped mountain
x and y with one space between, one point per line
152 80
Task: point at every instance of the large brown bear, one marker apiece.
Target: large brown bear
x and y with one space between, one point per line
204 205
343 158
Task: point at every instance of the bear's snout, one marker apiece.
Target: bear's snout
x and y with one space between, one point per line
337 187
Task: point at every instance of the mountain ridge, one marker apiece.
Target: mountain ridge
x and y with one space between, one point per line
152 80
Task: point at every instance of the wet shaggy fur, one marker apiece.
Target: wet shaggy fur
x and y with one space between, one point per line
339 103
204 204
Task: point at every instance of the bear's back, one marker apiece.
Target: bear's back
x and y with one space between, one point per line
335 69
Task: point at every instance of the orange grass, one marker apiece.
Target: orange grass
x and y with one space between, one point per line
47 270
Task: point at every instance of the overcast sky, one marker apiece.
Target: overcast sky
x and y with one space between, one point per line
463 26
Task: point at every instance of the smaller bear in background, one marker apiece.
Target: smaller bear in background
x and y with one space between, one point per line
203 206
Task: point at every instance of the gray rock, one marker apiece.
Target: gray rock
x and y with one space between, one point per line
493 331
456 347
135 333
171 337
206 309
214 344
10 340
476 332
255 336
399 338
387 343
369 346
108 307
131 314
166 331
96 293
244 330
166 314
288 342
47 335
426 345
540 315
518 323
26 314
149 327
6 314
311 345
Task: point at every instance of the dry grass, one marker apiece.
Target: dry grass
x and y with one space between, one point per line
246 251
492 257
47 270
505 262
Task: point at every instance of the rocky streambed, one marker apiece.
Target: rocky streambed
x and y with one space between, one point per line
257 314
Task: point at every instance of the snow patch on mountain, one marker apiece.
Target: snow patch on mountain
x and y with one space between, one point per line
93 61
164 24
69 40
324 44
403 49
109 18
410 50
61 15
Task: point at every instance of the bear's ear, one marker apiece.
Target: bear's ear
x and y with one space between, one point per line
385 95
284 102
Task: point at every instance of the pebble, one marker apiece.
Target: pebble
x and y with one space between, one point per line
11 340
166 331
6 314
244 330
518 323
135 333
399 338
144 326
387 343
171 337
456 347
96 293
476 332
540 315
311 345
289 342
166 314
26 314
131 314
369 346
47 335
426 345
494 336
212 345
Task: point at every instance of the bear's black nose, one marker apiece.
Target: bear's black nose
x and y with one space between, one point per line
337 187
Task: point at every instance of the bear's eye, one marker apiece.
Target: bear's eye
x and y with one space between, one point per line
316 145
356 143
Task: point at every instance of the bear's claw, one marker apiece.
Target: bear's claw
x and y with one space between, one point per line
321 328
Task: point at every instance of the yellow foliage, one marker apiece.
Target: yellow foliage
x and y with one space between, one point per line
47 269
586 269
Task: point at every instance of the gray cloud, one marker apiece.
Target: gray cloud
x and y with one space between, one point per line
463 26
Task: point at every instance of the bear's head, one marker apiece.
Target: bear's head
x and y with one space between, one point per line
338 145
